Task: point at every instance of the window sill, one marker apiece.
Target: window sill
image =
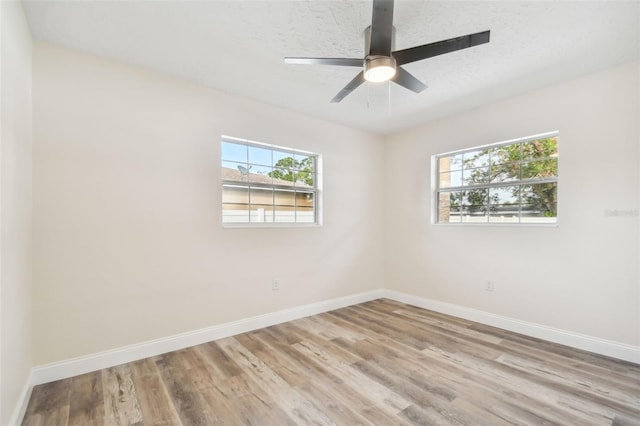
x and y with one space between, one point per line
500 225
270 225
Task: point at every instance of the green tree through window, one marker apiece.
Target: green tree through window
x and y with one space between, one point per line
292 170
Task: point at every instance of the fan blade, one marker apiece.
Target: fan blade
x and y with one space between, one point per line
353 84
440 47
407 80
381 28
345 62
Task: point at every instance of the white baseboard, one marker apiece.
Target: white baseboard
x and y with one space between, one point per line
576 340
23 401
85 364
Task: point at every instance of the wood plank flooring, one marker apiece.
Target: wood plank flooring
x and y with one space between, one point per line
377 363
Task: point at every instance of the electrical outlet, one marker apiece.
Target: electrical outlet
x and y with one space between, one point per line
275 285
489 285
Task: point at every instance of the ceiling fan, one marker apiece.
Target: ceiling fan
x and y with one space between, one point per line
381 63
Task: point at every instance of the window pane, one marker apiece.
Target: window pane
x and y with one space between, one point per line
302 161
235 204
304 178
284 206
504 195
534 214
505 172
504 214
450 215
474 214
451 162
305 215
283 176
456 198
475 210
304 199
292 177
305 204
295 162
449 206
261 174
444 206
235 171
540 148
475 159
284 216
475 176
540 199
233 152
232 194
504 204
235 214
279 156
286 162
475 197
455 215
260 196
444 164
540 169
261 213
261 156
284 199
261 204
449 179
304 167
506 154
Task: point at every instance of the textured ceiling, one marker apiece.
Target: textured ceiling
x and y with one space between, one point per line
239 46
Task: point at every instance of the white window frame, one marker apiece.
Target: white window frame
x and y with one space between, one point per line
315 189
436 190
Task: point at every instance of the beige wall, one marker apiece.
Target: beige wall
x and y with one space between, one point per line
128 244
581 276
15 207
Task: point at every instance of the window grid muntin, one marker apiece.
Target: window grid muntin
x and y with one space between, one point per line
296 188
492 181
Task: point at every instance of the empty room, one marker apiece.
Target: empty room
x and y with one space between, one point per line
289 212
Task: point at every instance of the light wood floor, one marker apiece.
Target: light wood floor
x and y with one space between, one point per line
378 363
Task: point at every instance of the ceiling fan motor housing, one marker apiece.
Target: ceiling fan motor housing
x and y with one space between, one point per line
378 68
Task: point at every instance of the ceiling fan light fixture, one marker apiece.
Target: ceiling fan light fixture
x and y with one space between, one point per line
378 69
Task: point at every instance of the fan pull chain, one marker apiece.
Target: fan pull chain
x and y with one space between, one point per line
389 97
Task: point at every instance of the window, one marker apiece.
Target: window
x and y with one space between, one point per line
266 184
509 182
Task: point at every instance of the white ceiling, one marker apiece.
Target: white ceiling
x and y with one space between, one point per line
239 46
